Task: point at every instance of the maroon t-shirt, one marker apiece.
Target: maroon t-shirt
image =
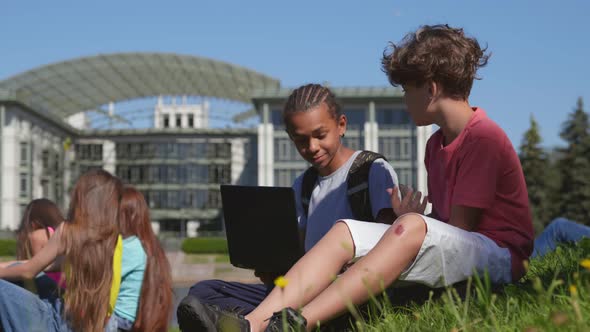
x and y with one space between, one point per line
481 169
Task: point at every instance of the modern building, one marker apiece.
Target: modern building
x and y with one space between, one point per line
59 120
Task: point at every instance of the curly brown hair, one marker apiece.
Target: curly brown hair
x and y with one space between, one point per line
437 53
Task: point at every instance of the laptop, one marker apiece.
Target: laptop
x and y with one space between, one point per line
261 227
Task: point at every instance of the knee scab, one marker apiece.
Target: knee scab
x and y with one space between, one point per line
398 229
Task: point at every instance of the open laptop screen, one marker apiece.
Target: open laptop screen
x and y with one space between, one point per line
261 227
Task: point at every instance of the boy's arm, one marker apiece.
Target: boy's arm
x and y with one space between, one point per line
29 269
381 177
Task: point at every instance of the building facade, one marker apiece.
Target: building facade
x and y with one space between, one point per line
178 162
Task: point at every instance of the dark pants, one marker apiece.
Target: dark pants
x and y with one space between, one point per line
231 296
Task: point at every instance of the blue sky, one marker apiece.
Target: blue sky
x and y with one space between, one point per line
539 64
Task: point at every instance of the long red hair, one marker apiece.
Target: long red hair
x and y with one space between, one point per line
155 301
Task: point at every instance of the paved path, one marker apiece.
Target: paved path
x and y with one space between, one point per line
186 274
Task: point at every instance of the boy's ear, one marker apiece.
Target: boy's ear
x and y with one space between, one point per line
434 89
342 121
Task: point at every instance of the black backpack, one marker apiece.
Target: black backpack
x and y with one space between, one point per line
358 186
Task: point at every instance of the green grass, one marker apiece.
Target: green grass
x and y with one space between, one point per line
553 296
206 258
204 245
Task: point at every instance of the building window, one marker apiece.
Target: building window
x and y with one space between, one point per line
172 151
173 202
166 121
135 151
96 152
386 147
45 160
24 185
24 154
355 118
283 178
223 150
178 121
191 121
45 189
406 176
282 149
406 148
135 175
276 118
154 199
172 174
213 200
353 143
122 150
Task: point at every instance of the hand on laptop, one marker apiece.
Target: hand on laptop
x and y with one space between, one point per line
267 278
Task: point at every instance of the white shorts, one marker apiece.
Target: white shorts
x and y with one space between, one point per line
447 255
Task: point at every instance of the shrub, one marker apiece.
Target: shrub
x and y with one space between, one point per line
8 247
204 245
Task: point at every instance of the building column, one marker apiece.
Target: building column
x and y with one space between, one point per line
10 171
422 135
371 130
265 149
109 156
238 160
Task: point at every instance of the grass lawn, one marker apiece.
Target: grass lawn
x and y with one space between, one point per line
553 296
206 258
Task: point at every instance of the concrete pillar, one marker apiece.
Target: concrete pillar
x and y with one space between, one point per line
155 227
371 129
265 149
191 228
422 135
109 157
10 171
238 159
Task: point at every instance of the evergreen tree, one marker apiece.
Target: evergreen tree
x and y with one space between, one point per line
575 167
535 167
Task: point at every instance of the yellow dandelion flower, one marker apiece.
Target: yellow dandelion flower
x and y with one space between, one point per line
573 290
585 263
281 282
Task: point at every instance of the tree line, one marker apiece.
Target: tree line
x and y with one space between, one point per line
558 180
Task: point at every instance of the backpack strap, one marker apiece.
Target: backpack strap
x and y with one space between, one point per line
358 185
310 178
117 274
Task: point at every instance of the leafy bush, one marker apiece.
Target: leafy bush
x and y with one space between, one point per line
7 247
204 245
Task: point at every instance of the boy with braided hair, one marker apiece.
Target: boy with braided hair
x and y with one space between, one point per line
315 124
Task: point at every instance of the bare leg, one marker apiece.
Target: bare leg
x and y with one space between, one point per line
315 271
326 299
397 248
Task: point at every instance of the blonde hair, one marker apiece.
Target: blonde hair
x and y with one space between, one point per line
89 238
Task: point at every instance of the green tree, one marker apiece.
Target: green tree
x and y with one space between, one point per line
535 166
575 166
